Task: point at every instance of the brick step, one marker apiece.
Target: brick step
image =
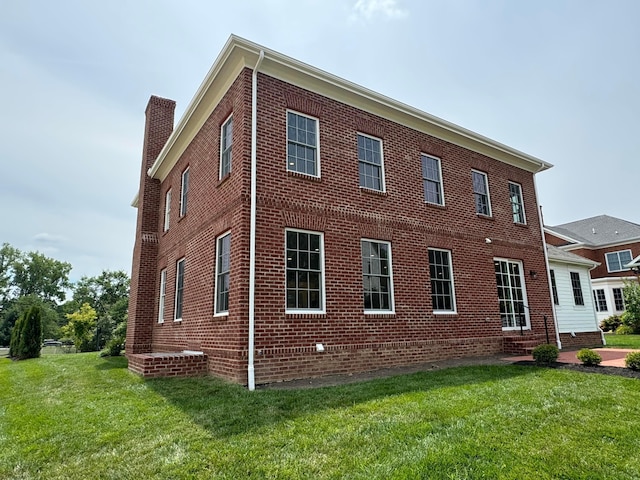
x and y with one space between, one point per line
522 345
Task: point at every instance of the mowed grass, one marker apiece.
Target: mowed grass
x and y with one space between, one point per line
82 417
622 341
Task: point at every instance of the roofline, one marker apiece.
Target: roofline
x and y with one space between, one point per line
582 261
563 237
283 66
589 246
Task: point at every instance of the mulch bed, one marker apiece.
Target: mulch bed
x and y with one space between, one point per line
620 372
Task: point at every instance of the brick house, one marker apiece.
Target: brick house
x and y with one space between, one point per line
613 244
294 224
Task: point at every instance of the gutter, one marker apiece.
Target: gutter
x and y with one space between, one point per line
251 381
546 256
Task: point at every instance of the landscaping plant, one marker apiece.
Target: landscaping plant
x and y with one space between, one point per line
632 360
545 354
589 357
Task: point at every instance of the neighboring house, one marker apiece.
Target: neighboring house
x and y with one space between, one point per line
609 241
571 290
295 224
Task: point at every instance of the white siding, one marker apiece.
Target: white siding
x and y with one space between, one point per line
608 284
572 317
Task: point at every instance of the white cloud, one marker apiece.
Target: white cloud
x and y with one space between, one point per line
367 9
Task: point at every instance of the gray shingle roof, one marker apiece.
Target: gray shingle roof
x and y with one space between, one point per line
599 231
558 255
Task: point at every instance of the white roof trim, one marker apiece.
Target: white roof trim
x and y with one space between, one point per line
635 263
238 53
563 237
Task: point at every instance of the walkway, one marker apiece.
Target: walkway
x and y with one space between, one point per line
611 357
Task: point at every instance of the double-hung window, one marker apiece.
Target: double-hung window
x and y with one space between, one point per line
511 294
163 295
167 209
618 299
370 162
443 299
377 279
617 260
517 204
432 179
223 267
600 300
177 311
226 142
576 287
481 193
304 271
302 144
184 190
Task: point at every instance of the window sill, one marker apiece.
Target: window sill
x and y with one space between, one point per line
445 313
521 225
371 191
304 315
177 320
379 314
223 179
304 176
182 217
435 205
221 315
485 217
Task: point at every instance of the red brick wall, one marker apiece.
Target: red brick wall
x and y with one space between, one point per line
553 240
598 255
582 339
336 206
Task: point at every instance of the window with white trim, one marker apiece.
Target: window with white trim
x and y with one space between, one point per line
481 193
370 162
576 287
302 144
304 271
617 260
226 142
377 278
163 294
600 300
177 311
511 293
432 179
184 190
443 298
554 287
517 204
223 267
618 299
167 209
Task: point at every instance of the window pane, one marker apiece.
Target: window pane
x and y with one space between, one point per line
304 274
376 275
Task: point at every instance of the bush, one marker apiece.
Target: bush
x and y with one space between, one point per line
16 333
26 336
632 360
589 357
610 324
631 294
545 354
624 330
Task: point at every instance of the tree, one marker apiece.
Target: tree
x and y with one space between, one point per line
108 294
8 255
36 274
631 316
17 307
80 327
26 337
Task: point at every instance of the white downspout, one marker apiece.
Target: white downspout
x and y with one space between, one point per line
252 241
546 258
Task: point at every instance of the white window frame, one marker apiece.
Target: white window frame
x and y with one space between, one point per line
224 148
617 254
525 300
440 183
167 210
217 312
184 190
163 294
554 287
454 309
392 303
383 187
573 289
486 184
322 308
520 204
175 301
317 146
600 298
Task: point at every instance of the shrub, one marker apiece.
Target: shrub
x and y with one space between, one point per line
624 330
589 357
545 354
116 344
632 360
610 324
26 336
631 294
16 333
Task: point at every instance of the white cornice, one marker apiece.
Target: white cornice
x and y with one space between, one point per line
239 53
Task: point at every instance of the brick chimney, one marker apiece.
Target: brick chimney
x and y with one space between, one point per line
142 297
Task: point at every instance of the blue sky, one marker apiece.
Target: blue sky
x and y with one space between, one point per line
556 79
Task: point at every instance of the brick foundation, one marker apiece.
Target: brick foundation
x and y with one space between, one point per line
582 339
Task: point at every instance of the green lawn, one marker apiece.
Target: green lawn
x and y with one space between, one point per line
622 341
82 417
